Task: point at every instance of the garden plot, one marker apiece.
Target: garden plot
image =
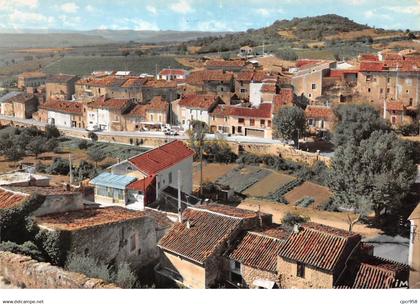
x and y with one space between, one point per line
269 184
240 179
211 171
320 195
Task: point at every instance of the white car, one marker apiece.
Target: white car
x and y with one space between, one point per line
93 128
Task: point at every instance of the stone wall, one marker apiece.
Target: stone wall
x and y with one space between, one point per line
24 272
250 274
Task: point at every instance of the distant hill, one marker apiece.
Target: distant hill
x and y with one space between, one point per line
151 36
43 40
26 38
287 32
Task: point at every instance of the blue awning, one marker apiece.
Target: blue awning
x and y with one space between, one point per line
112 180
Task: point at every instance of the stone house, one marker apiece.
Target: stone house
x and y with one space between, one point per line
172 74
308 79
239 120
320 119
130 236
18 104
211 81
414 251
108 114
60 86
168 90
193 248
31 79
139 180
252 260
396 113
389 77
194 107
225 65
150 115
62 113
318 256
244 79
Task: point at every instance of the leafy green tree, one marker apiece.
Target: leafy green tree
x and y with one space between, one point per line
291 219
51 131
374 176
93 136
356 122
14 153
96 155
197 136
37 145
59 166
290 123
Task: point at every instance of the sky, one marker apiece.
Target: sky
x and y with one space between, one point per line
201 15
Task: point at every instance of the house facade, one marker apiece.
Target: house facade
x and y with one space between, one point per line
18 104
62 113
108 114
151 115
172 74
414 249
319 118
60 86
31 79
195 107
141 179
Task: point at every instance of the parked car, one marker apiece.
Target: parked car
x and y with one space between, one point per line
93 128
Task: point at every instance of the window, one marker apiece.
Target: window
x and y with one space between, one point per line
133 244
213 118
170 177
369 90
368 77
262 122
241 120
239 129
314 86
388 80
310 121
243 90
252 122
387 90
310 95
269 123
221 89
237 266
300 272
381 90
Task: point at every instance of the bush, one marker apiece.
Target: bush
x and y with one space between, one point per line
88 266
93 136
124 277
28 248
219 151
291 219
85 170
52 131
59 166
83 144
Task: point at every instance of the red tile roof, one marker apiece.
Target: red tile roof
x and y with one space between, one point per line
160 158
208 233
134 82
285 97
259 76
157 104
259 250
269 88
319 246
107 81
142 184
377 273
158 84
61 78
173 72
319 112
368 57
245 76
394 106
33 74
303 62
263 111
371 66
196 101
10 199
114 104
340 73
63 106
230 210
86 218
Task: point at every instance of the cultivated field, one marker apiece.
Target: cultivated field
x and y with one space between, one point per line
320 194
211 172
269 184
334 219
241 178
82 65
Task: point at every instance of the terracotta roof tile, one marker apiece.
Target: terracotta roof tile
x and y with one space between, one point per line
10 199
263 111
230 211
160 84
134 82
157 104
115 104
319 246
269 88
106 81
371 66
196 101
368 57
207 234
33 74
394 106
62 106
42 190
155 160
259 249
245 76
285 97
173 72
86 218
324 112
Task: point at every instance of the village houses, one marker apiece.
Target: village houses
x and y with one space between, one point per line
31 79
18 104
147 116
172 74
60 86
62 113
414 249
320 119
139 180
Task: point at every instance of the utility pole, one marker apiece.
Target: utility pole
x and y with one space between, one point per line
71 170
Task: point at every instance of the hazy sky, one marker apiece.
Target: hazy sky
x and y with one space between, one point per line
203 15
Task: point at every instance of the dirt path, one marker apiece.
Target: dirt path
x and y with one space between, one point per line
334 219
